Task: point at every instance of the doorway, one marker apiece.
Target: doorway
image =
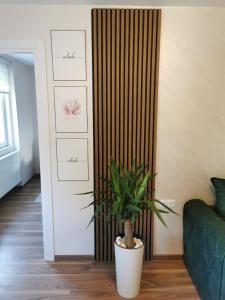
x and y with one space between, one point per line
35 50
20 216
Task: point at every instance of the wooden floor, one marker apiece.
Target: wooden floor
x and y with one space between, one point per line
25 275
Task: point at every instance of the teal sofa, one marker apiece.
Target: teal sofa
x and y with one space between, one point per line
204 249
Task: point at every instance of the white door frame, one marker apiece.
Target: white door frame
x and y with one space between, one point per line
38 48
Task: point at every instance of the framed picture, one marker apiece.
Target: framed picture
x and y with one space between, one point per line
71 109
72 159
69 54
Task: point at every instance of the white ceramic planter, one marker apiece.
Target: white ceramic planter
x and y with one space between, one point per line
128 270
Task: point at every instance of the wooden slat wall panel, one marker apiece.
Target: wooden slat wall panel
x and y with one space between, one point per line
125 85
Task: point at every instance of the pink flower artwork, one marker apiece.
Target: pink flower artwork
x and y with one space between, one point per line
72 107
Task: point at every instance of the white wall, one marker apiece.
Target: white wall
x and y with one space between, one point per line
191 110
191 113
70 222
27 119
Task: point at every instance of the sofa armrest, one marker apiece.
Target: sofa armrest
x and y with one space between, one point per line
204 249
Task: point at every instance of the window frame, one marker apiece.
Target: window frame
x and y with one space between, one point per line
8 117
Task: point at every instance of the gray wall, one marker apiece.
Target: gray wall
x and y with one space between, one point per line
27 119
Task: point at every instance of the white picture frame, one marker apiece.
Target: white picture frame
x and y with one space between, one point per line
72 159
70 109
69 55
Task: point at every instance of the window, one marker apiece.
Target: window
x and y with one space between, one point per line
6 139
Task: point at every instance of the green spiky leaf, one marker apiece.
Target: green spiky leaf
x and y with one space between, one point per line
125 193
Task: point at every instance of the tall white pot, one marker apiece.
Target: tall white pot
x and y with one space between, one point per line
128 270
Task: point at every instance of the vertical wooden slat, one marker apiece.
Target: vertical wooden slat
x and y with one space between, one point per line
135 80
143 87
109 116
122 87
100 127
122 92
95 118
125 79
139 86
130 100
113 105
104 128
139 101
117 120
126 87
135 101
117 140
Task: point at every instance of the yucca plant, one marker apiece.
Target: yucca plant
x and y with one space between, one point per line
124 195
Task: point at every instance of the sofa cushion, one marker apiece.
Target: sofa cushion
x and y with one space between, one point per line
219 185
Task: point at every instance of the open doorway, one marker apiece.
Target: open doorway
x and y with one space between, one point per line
32 54
20 189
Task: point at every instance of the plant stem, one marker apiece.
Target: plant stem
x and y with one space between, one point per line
129 232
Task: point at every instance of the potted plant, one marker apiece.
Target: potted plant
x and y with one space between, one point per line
123 196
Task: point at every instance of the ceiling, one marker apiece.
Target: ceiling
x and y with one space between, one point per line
187 3
25 58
